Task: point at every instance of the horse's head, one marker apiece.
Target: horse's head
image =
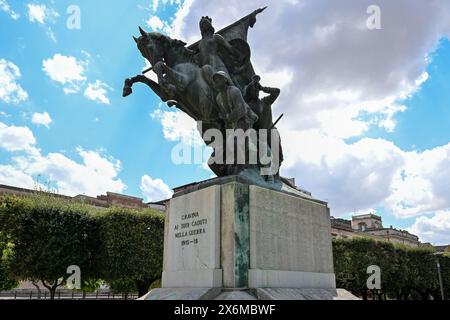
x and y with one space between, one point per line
156 47
151 46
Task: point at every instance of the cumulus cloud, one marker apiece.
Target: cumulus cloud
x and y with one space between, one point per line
94 174
156 3
10 90
337 64
70 72
12 176
173 27
43 119
40 13
5 7
368 173
434 229
43 15
98 92
422 184
350 176
14 138
156 24
65 70
177 126
155 189
339 79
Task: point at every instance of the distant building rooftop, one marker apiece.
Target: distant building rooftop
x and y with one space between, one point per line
366 216
445 248
371 225
110 199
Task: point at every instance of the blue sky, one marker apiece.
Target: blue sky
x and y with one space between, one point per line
367 111
123 128
425 124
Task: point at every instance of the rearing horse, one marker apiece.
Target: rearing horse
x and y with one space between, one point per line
180 79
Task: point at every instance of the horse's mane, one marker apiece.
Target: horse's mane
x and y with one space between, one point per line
177 45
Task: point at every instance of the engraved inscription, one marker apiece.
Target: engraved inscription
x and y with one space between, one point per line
189 229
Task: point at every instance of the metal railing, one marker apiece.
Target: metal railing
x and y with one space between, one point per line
64 294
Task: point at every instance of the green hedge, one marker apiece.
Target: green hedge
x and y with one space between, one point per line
406 272
132 248
47 234
7 282
40 236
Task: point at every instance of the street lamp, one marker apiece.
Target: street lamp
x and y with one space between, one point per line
437 254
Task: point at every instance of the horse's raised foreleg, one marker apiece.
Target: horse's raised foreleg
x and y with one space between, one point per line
127 89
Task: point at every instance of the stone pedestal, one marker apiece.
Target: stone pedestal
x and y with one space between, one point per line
231 234
192 240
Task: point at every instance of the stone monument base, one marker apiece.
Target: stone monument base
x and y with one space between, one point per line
248 295
234 238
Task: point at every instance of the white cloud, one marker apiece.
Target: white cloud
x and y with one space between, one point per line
44 16
178 126
179 23
10 90
97 92
422 184
65 70
173 26
155 4
338 80
335 57
95 174
41 14
51 34
434 229
14 138
5 7
70 73
41 119
156 24
368 173
155 189
351 177
15 177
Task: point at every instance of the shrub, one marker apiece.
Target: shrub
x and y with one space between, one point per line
132 247
48 234
406 272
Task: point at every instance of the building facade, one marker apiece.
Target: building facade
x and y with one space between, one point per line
443 249
108 200
371 226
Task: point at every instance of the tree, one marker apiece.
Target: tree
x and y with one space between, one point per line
6 281
49 234
132 249
124 286
423 272
352 258
399 285
445 270
406 272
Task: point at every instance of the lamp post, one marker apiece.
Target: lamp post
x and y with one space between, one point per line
441 285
